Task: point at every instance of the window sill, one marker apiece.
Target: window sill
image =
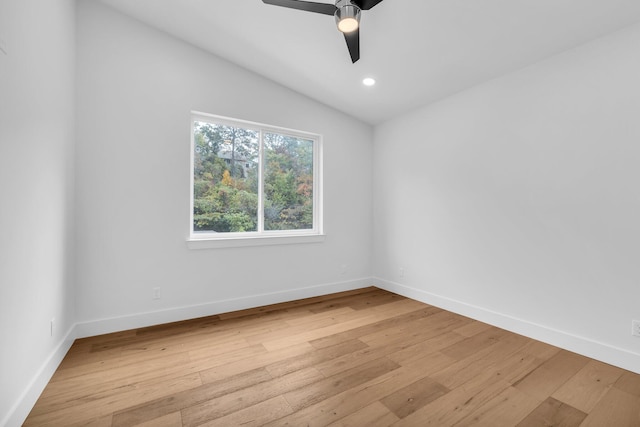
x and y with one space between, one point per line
239 242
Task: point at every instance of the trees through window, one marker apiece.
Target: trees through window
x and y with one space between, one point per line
249 179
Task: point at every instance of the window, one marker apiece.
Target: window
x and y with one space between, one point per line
253 181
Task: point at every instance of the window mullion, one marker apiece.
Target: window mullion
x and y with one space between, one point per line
261 182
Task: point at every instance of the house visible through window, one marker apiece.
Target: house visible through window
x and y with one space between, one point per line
253 180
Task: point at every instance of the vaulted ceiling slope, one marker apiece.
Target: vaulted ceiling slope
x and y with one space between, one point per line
419 51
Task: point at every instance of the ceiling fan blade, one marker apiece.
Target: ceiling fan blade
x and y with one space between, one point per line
353 43
324 8
365 4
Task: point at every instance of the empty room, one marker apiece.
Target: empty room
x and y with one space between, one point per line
319 213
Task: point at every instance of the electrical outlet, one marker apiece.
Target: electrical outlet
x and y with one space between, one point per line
53 320
343 269
401 272
156 293
635 328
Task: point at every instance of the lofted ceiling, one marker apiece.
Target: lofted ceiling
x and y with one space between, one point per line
419 51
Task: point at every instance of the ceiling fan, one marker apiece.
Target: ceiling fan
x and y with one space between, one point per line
346 12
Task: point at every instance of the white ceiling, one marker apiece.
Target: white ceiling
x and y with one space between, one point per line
419 51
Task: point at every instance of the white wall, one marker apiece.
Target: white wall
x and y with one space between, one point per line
136 88
518 201
36 184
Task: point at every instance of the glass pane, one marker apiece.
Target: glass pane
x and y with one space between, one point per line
288 182
225 178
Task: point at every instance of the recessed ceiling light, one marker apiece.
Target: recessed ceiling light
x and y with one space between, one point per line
368 81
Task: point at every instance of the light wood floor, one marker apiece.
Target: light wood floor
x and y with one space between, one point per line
363 358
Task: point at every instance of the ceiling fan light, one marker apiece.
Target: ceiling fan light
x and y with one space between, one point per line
348 25
348 18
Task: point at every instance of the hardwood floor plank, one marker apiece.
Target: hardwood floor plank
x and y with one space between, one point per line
357 319
346 301
585 389
254 416
341 405
382 348
553 413
325 388
472 345
213 353
468 396
423 327
437 320
83 411
102 384
289 305
515 367
170 420
427 364
377 326
259 360
408 399
629 382
318 358
454 406
376 299
76 359
506 409
353 359
92 422
110 385
541 350
154 409
238 400
310 322
414 352
93 342
364 300
552 374
472 328
203 338
465 369
159 350
373 415
308 336
617 408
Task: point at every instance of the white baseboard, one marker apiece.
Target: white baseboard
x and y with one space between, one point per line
141 320
25 402
587 347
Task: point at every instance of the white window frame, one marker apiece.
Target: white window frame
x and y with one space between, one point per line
204 240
